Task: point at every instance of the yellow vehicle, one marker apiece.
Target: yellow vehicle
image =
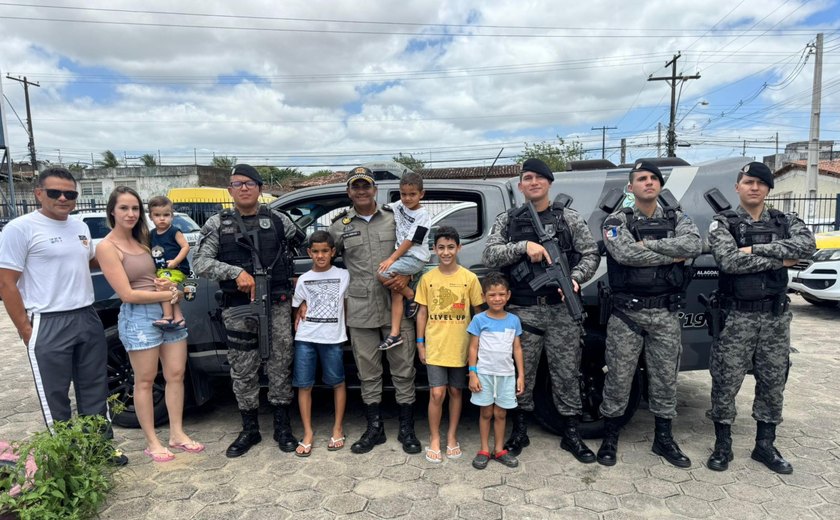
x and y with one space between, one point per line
828 240
207 194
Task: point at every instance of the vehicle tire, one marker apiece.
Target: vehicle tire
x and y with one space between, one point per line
591 388
121 384
818 301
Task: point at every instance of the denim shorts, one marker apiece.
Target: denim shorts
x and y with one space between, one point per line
306 359
407 265
136 329
498 390
454 377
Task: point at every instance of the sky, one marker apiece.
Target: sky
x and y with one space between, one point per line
328 85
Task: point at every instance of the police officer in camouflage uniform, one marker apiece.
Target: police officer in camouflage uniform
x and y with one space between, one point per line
513 246
647 245
223 254
753 245
364 236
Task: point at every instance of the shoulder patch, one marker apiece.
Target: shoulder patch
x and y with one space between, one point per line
612 222
387 207
341 214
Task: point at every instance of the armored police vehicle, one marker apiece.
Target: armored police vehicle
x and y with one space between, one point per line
470 207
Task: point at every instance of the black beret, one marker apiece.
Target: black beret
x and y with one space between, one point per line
249 171
760 171
538 167
647 166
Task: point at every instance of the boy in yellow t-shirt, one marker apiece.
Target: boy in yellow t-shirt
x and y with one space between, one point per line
445 295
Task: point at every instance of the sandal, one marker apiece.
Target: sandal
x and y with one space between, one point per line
434 460
336 444
307 449
166 456
506 458
189 447
390 342
482 458
411 308
454 452
178 325
163 323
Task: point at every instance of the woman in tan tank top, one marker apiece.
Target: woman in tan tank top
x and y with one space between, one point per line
127 264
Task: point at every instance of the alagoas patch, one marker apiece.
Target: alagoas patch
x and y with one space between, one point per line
611 226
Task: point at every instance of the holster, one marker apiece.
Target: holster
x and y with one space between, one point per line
604 303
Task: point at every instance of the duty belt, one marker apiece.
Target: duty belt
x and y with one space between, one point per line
776 305
637 303
526 301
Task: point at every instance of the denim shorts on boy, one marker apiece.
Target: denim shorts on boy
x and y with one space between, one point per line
407 265
137 331
498 390
306 359
456 377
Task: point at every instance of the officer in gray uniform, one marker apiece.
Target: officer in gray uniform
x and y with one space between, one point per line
753 245
364 236
513 245
647 246
224 253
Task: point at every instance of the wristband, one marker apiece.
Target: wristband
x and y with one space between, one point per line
420 340
473 369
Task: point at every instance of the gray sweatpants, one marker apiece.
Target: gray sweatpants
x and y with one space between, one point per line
69 346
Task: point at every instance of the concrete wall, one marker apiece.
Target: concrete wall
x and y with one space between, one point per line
794 182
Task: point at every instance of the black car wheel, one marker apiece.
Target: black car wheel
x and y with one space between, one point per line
121 384
591 388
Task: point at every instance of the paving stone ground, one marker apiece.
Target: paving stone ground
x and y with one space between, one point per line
386 483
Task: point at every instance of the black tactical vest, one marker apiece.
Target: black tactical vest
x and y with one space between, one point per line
764 284
656 280
272 245
520 228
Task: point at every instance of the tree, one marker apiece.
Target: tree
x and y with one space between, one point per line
223 161
410 162
109 160
556 156
149 159
321 173
77 167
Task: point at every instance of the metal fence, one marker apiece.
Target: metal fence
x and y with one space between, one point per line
819 213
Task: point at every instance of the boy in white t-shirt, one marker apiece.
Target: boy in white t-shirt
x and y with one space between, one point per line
411 254
494 381
320 332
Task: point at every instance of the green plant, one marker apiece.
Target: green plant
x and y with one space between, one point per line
73 477
556 156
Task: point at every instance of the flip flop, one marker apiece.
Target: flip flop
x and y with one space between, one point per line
336 444
454 452
159 457
307 449
189 447
163 323
178 325
430 452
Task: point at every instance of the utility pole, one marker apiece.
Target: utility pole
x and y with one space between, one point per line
26 84
623 150
812 173
659 139
603 130
672 132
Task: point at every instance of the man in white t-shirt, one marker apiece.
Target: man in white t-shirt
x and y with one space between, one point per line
47 290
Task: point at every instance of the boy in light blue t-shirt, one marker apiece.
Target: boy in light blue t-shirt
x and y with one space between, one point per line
494 348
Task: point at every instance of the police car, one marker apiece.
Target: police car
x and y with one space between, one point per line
817 280
97 222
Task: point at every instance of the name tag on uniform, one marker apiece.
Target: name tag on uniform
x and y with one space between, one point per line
351 234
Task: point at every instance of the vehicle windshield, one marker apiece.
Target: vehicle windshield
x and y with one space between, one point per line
185 224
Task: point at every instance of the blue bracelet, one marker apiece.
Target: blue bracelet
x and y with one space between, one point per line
473 369
420 340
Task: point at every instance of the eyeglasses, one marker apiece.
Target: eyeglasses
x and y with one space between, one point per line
239 184
56 194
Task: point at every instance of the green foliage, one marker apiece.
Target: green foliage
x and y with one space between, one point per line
410 162
74 473
223 161
148 159
77 167
321 173
556 156
109 160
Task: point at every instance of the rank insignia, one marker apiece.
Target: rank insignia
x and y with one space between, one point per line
346 220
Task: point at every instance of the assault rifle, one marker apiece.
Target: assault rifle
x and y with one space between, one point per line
257 311
556 274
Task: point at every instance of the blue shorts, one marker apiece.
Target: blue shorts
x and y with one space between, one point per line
306 359
136 329
407 265
498 390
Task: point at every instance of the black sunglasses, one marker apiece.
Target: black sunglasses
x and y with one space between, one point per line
55 194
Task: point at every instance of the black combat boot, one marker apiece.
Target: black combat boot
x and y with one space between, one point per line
571 441
722 455
406 436
665 446
607 453
375 433
283 429
767 454
249 436
519 434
